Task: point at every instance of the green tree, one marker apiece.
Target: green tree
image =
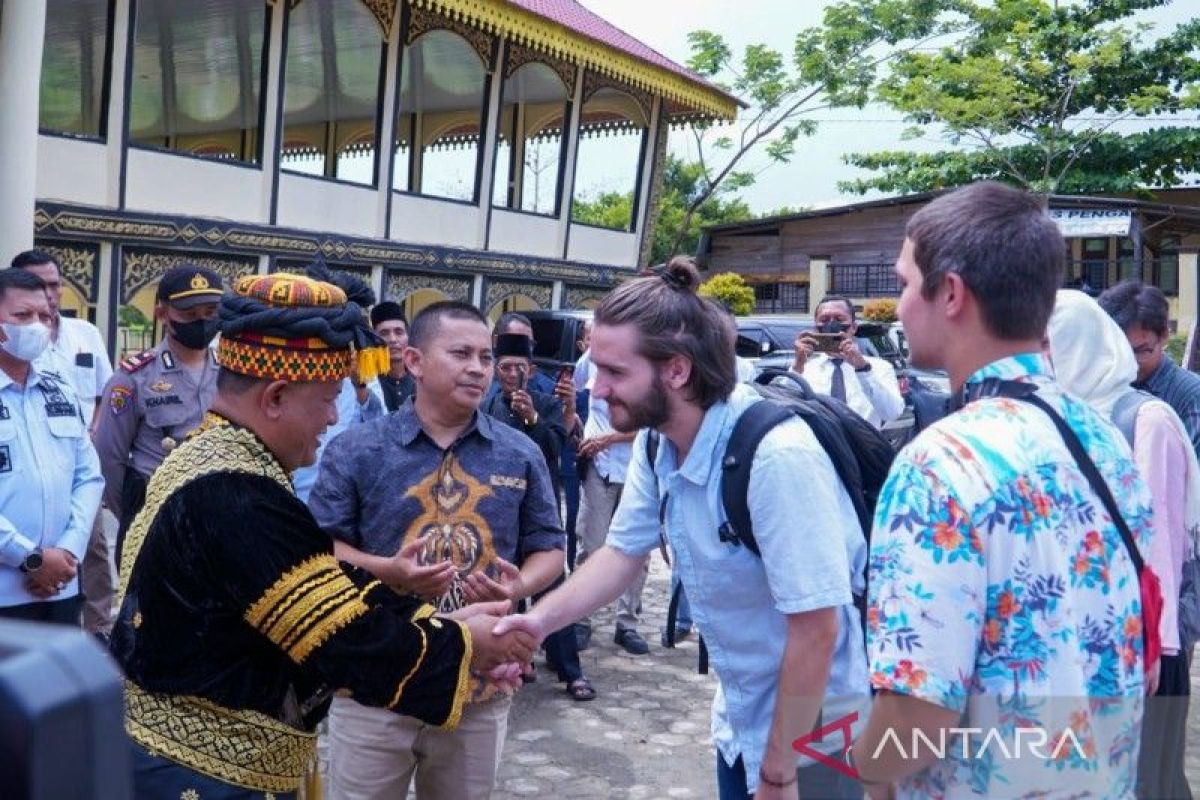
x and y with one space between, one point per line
681 183
1033 89
833 64
730 289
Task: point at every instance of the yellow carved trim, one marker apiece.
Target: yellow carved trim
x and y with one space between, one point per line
503 19
424 612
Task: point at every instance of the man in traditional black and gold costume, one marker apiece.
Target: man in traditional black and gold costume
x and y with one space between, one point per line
237 625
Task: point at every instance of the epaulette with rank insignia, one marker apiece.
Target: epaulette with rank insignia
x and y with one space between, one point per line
135 362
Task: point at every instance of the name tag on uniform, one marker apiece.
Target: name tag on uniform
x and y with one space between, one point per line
5 459
60 410
57 404
165 400
85 360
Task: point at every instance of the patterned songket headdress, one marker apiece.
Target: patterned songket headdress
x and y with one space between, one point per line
294 328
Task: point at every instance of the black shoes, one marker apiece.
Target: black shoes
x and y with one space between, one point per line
631 641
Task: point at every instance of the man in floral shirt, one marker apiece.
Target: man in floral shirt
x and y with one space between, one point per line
1002 599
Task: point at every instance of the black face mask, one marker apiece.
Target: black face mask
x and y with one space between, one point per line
195 335
833 327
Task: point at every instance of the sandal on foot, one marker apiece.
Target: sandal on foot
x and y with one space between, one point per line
581 689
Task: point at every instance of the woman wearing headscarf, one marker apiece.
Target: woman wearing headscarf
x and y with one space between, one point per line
1093 361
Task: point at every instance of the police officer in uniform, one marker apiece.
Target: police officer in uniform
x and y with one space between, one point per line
159 395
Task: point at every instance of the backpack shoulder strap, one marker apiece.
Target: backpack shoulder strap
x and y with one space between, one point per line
1125 412
754 423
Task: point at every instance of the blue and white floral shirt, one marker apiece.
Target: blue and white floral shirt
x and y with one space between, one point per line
999 587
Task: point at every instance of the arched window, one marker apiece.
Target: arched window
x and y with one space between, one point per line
529 148
197 69
331 91
442 98
72 97
612 138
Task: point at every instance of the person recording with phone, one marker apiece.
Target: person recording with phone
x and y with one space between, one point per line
830 360
543 418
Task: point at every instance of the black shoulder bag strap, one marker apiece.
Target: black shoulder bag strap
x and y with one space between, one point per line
1028 393
755 423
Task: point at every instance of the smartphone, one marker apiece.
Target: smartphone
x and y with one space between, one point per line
566 370
828 343
522 378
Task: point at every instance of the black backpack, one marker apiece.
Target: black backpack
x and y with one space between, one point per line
860 454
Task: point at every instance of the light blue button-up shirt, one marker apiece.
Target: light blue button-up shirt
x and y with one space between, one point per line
813 556
50 483
350 412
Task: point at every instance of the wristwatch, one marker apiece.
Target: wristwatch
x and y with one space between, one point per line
32 562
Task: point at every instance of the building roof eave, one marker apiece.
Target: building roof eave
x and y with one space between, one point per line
565 29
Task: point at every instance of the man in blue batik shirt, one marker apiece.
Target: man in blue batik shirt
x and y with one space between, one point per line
783 634
50 482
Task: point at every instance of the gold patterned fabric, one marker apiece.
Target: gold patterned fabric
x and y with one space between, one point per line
240 747
237 625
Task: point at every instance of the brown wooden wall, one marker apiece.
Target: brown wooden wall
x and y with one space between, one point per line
869 236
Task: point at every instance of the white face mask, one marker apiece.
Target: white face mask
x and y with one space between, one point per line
25 342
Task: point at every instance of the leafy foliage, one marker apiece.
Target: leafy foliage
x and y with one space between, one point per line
833 64
1034 89
681 186
731 289
882 309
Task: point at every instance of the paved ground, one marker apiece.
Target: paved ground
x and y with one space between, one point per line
646 735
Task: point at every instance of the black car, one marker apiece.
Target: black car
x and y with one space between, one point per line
774 337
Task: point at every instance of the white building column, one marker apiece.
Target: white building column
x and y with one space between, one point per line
22 35
272 128
818 282
115 131
568 183
487 140
385 147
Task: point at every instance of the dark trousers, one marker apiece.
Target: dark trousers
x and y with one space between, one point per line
562 650
1164 731
158 778
570 486
816 782
60 612
133 497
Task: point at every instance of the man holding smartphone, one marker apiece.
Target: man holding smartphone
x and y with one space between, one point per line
830 360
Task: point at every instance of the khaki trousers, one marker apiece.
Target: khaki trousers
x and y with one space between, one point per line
374 754
598 501
97 580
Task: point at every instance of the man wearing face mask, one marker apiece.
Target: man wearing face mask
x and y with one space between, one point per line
865 383
158 396
50 480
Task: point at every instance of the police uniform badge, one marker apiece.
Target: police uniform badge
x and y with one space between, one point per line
119 398
160 387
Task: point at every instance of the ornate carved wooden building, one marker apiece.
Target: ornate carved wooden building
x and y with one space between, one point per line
434 146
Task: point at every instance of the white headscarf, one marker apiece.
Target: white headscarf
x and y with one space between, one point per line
1092 358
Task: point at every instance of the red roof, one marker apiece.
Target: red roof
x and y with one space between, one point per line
574 16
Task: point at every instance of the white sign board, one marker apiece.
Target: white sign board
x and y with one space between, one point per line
1076 222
